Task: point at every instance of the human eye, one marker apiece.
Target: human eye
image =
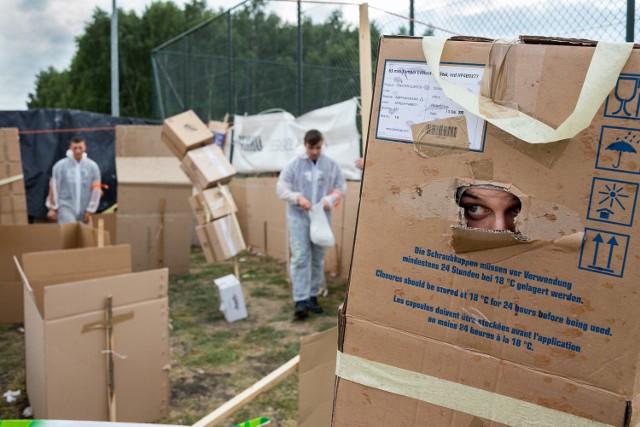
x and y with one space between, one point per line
475 211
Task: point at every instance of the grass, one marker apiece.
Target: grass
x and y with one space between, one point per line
212 360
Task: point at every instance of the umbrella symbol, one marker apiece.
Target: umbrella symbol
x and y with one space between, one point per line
621 147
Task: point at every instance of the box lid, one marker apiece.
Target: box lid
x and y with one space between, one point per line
150 170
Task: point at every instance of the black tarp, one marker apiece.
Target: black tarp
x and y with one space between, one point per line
44 139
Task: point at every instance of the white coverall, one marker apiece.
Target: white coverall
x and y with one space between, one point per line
75 188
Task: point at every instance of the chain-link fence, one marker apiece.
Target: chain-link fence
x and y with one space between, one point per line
303 55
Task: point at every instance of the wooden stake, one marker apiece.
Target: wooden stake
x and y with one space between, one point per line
101 233
366 81
236 266
111 386
163 204
235 404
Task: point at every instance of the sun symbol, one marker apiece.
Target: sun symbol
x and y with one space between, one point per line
612 195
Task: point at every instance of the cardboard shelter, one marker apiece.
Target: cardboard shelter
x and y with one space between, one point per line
65 328
447 325
154 215
19 239
13 201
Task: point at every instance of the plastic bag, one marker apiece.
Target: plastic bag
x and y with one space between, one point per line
321 233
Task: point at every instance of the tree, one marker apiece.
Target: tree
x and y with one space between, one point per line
86 84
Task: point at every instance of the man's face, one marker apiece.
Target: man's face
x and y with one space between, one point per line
313 151
490 209
77 148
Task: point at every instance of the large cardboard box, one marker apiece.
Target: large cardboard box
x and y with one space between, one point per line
184 132
212 204
154 215
221 239
207 166
18 239
448 325
13 200
65 295
140 141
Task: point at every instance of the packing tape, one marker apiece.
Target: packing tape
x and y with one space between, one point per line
458 397
214 161
11 179
602 75
227 237
100 324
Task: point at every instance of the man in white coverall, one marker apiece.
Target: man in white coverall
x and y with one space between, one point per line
75 188
307 180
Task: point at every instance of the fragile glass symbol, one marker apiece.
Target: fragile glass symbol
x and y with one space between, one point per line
598 240
612 196
625 92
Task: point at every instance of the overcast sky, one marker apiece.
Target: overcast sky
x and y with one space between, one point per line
36 34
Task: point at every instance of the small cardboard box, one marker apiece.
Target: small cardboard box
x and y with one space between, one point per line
13 200
221 239
184 132
231 298
449 325
212 203
18 239
64 297
207 166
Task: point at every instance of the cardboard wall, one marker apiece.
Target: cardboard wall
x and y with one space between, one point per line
13 201
545 309
19 239
262 218
153 215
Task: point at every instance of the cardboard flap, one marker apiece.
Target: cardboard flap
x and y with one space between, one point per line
140 141
71 265
316 378
472 239
150 171
606 65
89 295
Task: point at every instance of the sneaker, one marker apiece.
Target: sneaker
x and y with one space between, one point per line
301 311
314 307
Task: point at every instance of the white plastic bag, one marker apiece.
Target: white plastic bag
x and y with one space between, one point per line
321 233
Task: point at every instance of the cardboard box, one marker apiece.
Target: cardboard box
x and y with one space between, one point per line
18 239
207 166
65 293
231 298
184 132
534 327
212 204
221 239
154 216
13 200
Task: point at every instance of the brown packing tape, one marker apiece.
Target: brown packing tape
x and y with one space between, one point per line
451 132
101 324
482 169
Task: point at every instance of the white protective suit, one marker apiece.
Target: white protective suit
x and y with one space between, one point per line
75 188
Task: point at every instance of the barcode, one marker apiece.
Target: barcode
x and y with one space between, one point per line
441 130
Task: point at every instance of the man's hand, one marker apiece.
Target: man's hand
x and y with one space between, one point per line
87 217
304 203
52 215
326 205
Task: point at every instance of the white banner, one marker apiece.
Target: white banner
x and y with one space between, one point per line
266 142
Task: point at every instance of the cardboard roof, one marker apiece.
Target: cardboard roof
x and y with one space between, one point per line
150 171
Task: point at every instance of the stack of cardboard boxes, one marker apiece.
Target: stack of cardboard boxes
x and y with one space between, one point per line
209 170
153 214
13 201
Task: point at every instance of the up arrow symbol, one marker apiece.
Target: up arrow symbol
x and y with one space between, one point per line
612 242
598 239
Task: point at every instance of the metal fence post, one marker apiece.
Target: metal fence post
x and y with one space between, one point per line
631 16
299 58
230 82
